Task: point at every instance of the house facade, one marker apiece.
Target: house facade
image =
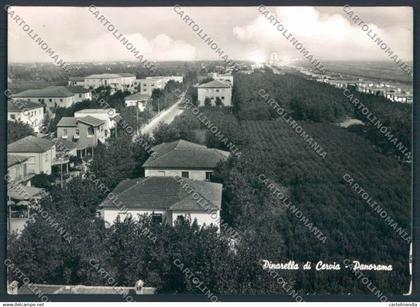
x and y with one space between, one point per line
119 81
86 132
40 153
80 93
109 116
213 92
26 112
52 97
156 82
183 159
165 200
138 100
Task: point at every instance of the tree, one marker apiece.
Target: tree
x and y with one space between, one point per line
17 131
219 102
207 102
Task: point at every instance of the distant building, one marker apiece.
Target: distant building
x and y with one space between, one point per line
165 200
222 77
26 112
214 91
52 97
76 81
39 151
80 93
156 82
109 116
118 81
183 159
137 100
87 132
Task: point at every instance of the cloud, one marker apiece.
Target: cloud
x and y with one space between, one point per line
327 36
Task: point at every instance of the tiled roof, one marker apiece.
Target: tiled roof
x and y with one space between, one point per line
214 84
183 154
77 78
165 193
15 159
103 76
77 89
21 105
90 120
67 122
24 192
30 144
138 96
51 91
126 74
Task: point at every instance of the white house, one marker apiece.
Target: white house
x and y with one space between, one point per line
80 93
76 81
52 96
222 77
137 100
119 81
26 112
215 92
165 200
39 151
109 116
156 82
183 159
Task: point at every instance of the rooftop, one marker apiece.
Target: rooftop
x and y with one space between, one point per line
103 76
90 120
77 89
165 193
15 159
67 122
81 289
184 154
51 91
21 105
30 144
214 84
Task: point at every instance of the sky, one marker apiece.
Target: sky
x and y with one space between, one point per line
241 32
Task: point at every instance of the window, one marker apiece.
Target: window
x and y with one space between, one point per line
65 132
90 131
185 174
13 116
61 100
217 91
76 132
80 95
223 97
50 100
157 218
39 99
208 175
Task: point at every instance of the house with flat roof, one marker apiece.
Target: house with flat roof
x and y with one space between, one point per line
184 159
39 151
138 100
27 112
118 81
165 200
52 97
215 92
86 132
148 84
